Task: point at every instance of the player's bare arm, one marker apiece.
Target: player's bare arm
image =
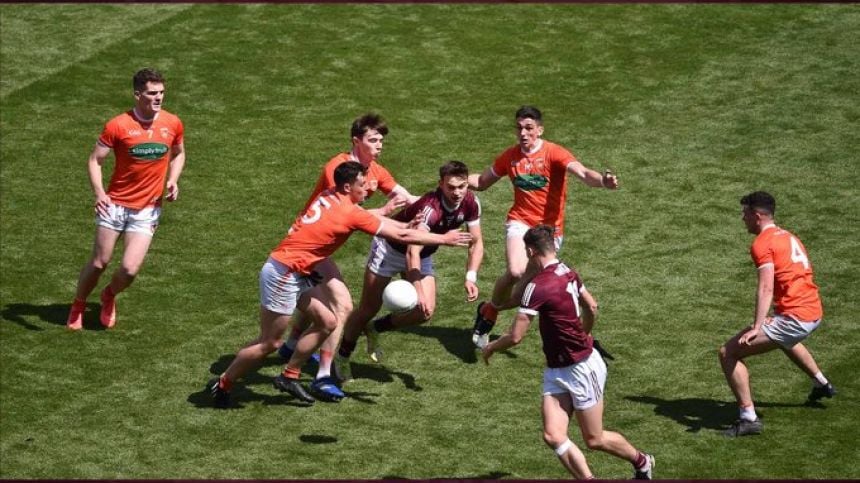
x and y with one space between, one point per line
473 262
408 236
407 197
589 310
94 169
413 274
480 182
764 298
509 339
174 170
593 178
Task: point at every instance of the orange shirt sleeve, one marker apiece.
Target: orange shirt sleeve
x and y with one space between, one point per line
761 252
561 156
502 164
108 134
364 221
384 178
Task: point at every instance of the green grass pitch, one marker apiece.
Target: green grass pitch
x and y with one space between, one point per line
691 105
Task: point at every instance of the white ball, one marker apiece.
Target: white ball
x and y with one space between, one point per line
399 296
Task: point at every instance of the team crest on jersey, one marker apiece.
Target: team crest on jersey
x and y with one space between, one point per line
530 182
373 184
148 151
165 133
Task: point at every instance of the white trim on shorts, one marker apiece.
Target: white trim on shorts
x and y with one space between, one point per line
281 288
123 219
787 331
517 229
584 381
385 261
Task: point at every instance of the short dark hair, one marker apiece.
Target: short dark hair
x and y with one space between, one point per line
454 168
540 238
529 112
147 74
760 201
347 172
367 122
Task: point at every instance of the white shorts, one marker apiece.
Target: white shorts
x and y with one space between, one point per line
280 288
788 331
122 219
583 381
518 229
385 261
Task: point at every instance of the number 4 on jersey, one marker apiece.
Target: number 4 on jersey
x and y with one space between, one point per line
797 253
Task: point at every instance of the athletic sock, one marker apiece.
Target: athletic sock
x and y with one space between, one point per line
748 413
642 463
325 364
820 380
346 348
81 305
489 312
292 372
224 383
383 324
108 293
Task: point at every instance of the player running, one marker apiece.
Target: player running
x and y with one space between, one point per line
784 280
148 145
446 208
367 135
538 170
286 285
575 377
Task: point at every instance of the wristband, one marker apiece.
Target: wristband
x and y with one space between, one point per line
471 276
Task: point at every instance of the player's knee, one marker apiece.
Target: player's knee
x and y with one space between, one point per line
130 270
516 273
99 264
594 441
724 353
554 440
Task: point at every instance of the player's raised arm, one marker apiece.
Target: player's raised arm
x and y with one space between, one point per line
593 178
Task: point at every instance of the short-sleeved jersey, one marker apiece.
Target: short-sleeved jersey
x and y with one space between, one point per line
378 178
553 294
794 292
142 153
540 183
438 218
321 229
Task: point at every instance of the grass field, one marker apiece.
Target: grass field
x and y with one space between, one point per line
692 105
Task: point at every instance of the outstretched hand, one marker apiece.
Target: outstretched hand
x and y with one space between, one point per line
457 238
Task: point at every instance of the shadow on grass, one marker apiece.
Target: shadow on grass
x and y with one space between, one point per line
52 313
317 439
240 395
699 413
458 342
494 475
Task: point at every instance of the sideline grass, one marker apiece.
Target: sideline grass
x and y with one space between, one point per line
692 105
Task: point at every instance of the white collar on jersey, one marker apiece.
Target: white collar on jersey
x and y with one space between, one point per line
551 262
143 119
537 148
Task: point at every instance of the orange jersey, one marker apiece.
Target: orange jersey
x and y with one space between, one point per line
540 183
378 178
794 292
142 153
321 229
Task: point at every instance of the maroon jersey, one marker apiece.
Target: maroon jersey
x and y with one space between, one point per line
554 295
438 218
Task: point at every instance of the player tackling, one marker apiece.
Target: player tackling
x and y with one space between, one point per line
446 208
286 285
